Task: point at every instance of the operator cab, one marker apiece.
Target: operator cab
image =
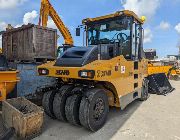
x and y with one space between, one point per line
107 37
116 34
113 36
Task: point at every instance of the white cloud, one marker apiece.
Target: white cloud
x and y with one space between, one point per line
18 25
146 8
3 25
29 17
51 24
8 4
177 28
164 25
148 35
142 7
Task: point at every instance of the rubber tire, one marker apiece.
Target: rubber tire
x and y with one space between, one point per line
176 77
47 103
86 109
60 101
144 91
72 109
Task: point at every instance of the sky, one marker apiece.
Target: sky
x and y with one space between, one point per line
162 26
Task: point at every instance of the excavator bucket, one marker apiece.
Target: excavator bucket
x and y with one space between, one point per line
159 84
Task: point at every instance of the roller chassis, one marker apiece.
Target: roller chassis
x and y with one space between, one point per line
72 102
109 72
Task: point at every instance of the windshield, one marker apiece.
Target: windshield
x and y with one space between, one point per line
109 31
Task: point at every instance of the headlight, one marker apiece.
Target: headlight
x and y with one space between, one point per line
87 74
84 74
43 71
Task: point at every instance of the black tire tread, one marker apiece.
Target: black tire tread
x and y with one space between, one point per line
83 112
72 109
60 100
84 108
47 103
143 96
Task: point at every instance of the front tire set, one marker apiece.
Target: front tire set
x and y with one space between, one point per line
89 109
94 109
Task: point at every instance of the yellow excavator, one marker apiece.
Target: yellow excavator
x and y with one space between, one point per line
109 71
47 10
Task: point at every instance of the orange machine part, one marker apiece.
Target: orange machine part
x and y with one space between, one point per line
8 80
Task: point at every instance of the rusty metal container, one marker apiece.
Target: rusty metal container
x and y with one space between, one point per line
24 116
30 43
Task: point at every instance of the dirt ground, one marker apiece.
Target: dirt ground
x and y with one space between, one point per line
158 118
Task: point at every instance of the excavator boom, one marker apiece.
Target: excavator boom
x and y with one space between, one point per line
48 10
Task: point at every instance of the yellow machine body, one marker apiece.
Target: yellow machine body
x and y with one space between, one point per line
124 81
158 69
122 78
111 62
175 72
170 71
116 14
8 80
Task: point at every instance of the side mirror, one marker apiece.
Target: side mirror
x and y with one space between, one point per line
78 32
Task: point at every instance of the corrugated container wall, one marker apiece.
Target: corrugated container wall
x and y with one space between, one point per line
30 43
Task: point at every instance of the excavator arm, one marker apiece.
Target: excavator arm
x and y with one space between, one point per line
48 10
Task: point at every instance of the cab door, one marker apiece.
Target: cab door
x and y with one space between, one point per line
136 46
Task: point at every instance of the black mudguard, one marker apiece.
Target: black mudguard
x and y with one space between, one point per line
159 84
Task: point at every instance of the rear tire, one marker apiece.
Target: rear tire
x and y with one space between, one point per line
144 90
47 103
60 101
72 109
94 109
176 77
